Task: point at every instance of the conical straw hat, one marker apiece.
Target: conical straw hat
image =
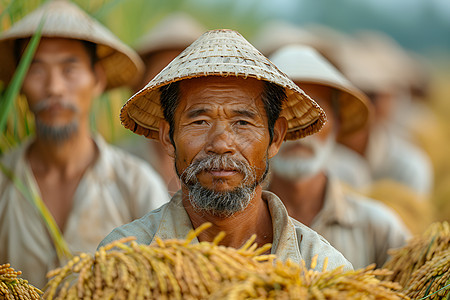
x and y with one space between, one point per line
221 53
176 31
66 20
303 64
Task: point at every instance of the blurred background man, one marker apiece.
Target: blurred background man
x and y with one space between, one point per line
362 229
65 188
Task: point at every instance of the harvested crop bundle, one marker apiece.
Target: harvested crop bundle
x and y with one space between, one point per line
433 278
12 287
177 269
422 267
292 281
419 249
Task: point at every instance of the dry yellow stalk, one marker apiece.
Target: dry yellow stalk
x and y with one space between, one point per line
13 287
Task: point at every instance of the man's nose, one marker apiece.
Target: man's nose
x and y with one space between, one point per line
55 83
221 140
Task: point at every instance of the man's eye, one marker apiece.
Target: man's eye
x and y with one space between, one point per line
199 122
242 122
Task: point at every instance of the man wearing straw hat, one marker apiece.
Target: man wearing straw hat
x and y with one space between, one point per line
73 181
362 229
157 48
222 110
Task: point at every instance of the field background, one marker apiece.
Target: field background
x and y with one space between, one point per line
421 26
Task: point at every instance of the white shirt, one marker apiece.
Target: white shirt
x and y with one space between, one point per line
117 189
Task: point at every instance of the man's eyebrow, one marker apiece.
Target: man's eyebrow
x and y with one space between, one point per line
196 112
64 61
71 59
245 112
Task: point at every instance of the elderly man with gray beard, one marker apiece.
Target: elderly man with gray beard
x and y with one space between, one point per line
221 109
362 229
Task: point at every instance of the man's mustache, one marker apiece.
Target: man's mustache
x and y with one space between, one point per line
217 162
47 103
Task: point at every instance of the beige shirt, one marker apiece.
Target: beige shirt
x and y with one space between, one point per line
291 239
117 189
362 229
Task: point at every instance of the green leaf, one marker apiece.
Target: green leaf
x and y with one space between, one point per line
13 88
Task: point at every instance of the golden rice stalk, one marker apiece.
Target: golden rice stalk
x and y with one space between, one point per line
418 251
293 281
177 269
12 287
432 279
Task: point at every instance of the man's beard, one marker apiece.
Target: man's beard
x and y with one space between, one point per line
221 203
52 133
296 167
56 134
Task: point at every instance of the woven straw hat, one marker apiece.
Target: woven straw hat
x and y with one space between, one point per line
221 53
303 64
176 31
64 19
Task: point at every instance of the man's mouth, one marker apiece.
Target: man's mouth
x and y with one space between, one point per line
221 172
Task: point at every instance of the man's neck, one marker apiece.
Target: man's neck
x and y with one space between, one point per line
68 158
255 219
303 198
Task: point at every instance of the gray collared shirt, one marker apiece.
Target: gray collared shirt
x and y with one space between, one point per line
291 239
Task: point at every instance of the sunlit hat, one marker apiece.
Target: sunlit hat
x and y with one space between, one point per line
64 19
176 31
221 53
304 64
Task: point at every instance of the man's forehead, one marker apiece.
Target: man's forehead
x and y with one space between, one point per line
222 89
60 46
214 90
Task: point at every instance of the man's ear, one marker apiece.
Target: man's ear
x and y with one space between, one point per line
164 138
101 80
279 132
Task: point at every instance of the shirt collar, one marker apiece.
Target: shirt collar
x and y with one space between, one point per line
175 223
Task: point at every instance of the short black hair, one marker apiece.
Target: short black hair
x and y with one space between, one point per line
20 45
272 96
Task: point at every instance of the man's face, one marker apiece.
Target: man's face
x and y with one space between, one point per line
221 138
60 86
307 157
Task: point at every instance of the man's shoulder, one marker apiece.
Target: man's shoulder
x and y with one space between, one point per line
128 165
305 232
312 243
143 229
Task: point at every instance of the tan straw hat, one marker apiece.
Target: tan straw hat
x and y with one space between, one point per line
64 19
304 64
176 31
221 53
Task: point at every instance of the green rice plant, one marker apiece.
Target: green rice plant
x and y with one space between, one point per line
12 91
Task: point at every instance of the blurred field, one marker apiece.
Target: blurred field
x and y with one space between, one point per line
129 19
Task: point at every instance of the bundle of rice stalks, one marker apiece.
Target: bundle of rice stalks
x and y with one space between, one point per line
170 269
422 267
12 287
177 269
293 281
432 279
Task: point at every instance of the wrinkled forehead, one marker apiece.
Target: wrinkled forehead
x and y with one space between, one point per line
222 90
